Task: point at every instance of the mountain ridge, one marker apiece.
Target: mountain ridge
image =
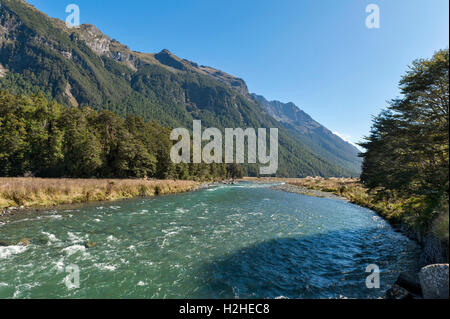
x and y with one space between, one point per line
316 136
82 66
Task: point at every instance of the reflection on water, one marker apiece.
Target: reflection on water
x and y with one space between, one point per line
240 241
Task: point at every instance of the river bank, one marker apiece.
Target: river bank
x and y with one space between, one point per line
306 191
25 193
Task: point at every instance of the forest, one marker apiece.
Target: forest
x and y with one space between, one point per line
406 162
42 138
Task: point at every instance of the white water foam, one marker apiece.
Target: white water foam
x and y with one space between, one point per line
74 249
103 266
112 238
55 216
20 289
74 238
50 236
60 265
8 251
180 210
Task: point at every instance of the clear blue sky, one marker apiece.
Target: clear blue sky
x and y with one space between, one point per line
316 53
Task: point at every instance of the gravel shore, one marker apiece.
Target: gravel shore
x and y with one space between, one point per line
306 191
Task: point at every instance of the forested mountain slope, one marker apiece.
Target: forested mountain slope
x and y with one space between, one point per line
317 137
82 66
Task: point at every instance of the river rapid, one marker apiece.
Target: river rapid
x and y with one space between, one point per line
230 241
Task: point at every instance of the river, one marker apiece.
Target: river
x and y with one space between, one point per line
231 241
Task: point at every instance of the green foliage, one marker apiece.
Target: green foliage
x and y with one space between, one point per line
407 153
60 63
42 138
234 171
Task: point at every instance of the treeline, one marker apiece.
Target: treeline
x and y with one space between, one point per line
407 157
41 138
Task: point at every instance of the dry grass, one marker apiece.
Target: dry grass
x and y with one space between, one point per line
37 192
349 188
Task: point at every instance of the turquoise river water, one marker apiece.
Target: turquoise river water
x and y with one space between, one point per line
237 241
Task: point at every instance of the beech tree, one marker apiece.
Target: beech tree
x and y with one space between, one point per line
407 152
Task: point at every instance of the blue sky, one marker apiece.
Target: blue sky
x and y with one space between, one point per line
316 53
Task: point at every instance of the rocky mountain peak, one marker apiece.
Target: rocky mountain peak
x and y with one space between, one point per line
167 58
95 39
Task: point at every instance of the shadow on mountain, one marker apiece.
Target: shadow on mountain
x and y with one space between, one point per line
329 265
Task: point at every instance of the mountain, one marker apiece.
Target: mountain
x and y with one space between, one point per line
82 66
319 139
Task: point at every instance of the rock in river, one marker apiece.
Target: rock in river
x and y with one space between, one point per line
23 242
410 281
434 281
90 245
397 292
4 243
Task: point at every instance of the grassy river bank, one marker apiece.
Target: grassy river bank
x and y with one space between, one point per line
24 193
39 192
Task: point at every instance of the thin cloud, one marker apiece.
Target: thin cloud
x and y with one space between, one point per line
347 138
